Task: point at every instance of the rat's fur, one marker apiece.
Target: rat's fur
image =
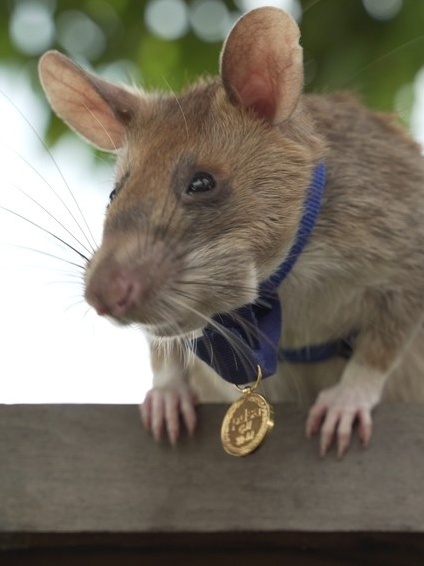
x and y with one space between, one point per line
170 260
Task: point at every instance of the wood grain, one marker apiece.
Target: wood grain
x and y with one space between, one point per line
89 478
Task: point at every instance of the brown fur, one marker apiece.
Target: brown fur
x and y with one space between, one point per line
170 260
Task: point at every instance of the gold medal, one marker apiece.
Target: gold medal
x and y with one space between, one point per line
247 422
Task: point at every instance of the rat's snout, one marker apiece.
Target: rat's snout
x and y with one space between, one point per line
115 293
123 283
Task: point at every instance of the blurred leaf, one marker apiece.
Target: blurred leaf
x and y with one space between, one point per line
344 47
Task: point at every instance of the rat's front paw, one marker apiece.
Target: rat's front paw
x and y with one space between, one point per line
335 412
163 409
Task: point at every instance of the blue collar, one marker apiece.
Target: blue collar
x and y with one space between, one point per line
250 335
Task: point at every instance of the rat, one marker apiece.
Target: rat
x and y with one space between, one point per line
210 191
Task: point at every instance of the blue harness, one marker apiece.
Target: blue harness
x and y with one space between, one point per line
236 343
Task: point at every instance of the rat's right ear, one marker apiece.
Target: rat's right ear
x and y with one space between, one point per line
261 63
93 107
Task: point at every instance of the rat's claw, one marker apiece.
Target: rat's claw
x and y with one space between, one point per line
157 421
172 416
328 431
337 424
344 432
188 412
162 409
315 419
335 412
365 426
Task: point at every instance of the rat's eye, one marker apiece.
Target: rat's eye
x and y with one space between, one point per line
118 186
201 183
113 195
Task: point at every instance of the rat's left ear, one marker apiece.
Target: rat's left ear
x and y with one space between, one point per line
97 109
261 63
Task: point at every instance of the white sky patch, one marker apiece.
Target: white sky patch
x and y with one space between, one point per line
53 347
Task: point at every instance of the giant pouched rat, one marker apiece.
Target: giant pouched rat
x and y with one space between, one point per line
210 190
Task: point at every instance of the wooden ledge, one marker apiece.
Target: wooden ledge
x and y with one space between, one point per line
87 481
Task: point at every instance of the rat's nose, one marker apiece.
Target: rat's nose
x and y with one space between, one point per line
115 294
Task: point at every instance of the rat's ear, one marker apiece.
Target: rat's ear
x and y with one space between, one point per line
95 108
261 63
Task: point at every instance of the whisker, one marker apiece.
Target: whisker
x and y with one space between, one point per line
178 103
198 283
47 254
63 281
46 231
310 5
53 217
56 194
76 304
87 310
92 244
380 59
99 122
236 344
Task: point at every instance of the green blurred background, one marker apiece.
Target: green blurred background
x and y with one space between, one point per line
375 47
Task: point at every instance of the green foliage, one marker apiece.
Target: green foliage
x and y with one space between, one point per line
344 47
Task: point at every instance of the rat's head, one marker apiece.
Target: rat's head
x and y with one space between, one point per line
209 184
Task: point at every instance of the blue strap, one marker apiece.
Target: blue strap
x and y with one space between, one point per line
236 343
318 352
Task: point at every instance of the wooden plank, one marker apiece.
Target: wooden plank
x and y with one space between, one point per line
89 477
